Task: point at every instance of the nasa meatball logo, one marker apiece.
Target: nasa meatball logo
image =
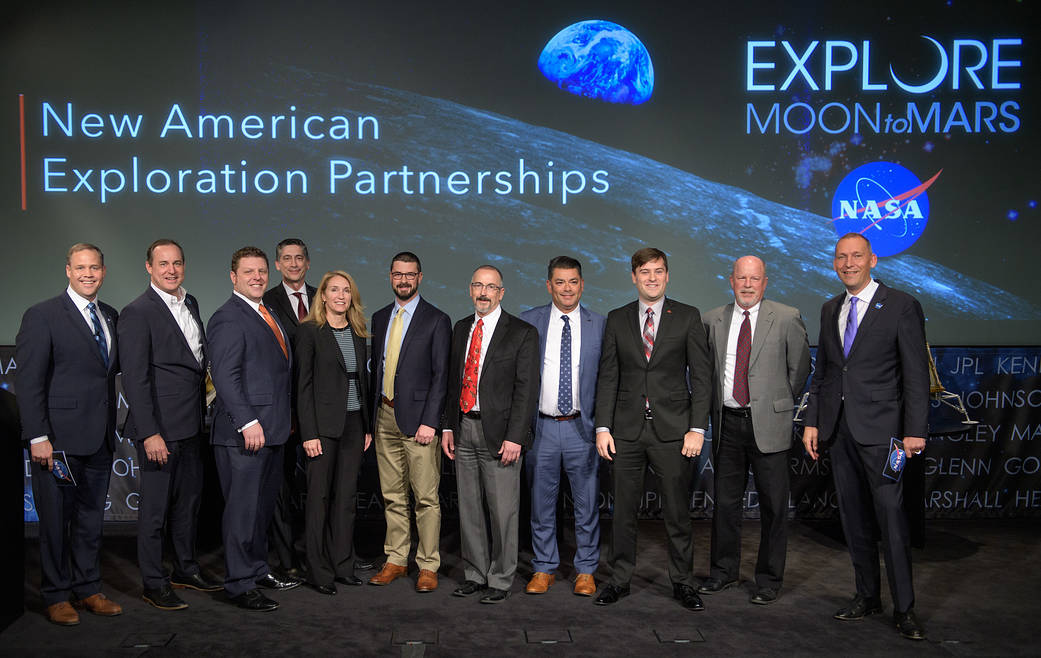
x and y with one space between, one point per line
886 203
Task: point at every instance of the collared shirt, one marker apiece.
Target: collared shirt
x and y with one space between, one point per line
293 298
81 303
183 317
256 307
642 317
731 355
551 360
406 320
863 301
487 330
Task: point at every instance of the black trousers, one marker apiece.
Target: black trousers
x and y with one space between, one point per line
630 463
288 516
735 452
71 523
864 496
169 500
332 495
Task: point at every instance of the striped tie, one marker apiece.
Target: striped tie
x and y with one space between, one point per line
648 334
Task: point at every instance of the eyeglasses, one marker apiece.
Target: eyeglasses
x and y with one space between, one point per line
408 276
490 287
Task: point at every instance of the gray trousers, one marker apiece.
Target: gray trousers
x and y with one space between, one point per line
486 486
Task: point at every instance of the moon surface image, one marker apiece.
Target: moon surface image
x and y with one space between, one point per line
601 60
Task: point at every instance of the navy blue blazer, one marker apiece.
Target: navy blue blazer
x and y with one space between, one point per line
64 389
421 382
591 336
163 382
250 373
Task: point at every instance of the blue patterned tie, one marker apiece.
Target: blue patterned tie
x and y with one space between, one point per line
851 327
99 334
564 403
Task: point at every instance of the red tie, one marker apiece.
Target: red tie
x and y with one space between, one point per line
744 350
301 310
468 397
648 334
274 329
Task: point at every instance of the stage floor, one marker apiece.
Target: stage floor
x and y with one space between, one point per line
975 583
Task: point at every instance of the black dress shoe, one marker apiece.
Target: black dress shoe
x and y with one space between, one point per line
353 581
253 600
858 608
195 581
292 573
764 596
907 624
495 595
610 594
271 581
713 585
164 598
468 588
328 590
687 597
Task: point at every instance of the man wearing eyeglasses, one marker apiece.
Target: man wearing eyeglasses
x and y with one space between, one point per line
411 340
493 391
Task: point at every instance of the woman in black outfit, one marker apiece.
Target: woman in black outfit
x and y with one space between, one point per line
334 416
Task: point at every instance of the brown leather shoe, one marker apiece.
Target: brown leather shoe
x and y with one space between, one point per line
62 614
585 585
388 574
427 581
539 583
99 604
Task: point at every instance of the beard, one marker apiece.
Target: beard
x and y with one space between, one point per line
404 292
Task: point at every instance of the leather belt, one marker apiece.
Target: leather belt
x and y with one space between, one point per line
476 415
741 412
387 401
560 419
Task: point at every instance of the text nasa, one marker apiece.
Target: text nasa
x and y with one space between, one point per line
959 66
137 176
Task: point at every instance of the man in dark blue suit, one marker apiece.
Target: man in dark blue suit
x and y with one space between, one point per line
870 386
251 366
409 382
164 372
569 342
67 363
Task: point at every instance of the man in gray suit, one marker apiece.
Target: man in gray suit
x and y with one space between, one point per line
761 358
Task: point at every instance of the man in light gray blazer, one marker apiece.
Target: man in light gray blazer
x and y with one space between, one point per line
760 358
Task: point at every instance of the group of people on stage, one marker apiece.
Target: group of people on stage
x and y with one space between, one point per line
558 388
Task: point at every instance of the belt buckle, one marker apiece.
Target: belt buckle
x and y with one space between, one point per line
647 415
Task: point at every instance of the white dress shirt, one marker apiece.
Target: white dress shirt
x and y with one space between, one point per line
863 301
293 298
731 355
189 327
487 329
548 402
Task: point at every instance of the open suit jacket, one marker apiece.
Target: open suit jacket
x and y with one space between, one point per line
884 382
509 383
64 389
278 302
627 378
777 368
162 380
323 384
591 334
421 381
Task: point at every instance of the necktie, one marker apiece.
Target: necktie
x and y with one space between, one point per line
274 329
301 310
390 364
99 334
648 334
468 397
744 350
851 327
564 403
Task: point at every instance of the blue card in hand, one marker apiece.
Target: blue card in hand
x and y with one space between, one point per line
894 467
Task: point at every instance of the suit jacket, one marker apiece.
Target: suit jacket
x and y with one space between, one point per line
250 373
284 308
162 380
884 383
64 389
322 382
777 368
509 384
675 380
421 380
591 335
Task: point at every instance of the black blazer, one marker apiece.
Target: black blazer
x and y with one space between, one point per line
277 301
162 380
63 388
322 382
677 379
885 379
421 381
509 385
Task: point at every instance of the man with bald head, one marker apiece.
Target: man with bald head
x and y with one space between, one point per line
760 359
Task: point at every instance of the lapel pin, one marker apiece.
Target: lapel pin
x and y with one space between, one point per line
878 305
